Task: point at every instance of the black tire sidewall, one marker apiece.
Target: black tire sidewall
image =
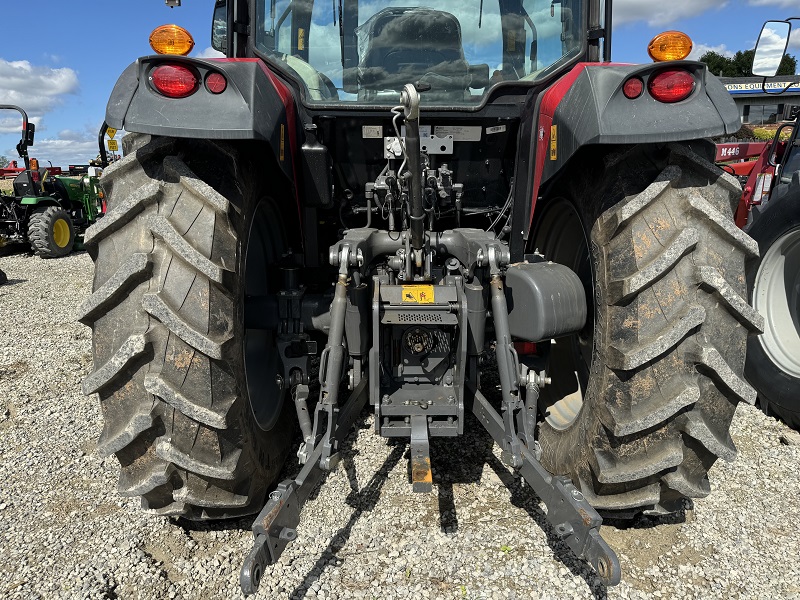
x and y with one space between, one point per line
270 448
778 391
583 196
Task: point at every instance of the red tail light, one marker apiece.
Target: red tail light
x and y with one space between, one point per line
216 83
525 348
633 88
174 81
672 85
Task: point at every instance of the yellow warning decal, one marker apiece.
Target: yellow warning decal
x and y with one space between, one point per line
418 294
554 142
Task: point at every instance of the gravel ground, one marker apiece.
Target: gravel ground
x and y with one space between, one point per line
65 533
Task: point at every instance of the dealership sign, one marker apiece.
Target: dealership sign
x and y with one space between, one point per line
757 87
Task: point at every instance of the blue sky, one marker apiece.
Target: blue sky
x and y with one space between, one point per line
60 59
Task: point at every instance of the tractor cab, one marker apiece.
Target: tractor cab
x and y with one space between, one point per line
363 53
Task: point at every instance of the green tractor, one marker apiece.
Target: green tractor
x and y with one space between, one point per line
48 212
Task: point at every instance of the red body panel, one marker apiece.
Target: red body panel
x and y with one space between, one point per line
285 94
752 168
547 109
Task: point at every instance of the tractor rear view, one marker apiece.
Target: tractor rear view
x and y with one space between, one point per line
48 212
355 202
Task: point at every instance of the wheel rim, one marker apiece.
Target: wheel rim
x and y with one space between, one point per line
61 233
776 295
261 361
562 238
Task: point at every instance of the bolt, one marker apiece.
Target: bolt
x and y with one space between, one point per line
407 420
577 495
451 399
279 381
430 419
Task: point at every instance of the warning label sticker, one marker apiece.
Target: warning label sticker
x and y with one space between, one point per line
418 294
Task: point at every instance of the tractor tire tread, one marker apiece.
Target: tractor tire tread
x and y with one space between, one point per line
39 236
672 327
173 408
130 274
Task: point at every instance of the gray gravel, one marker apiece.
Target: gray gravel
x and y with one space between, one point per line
64 532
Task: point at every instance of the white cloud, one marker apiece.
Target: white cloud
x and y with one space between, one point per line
69 148
209 53
781 3
38 90
794 41
699 49
658 15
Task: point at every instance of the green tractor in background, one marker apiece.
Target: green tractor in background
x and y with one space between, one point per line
48 212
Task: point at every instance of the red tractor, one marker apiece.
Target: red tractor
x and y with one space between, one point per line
769 211
437 211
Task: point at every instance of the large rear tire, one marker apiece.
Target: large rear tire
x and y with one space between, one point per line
773 359
643 397
175 256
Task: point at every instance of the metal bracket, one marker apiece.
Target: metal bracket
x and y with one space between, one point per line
574 519
276 524
508 368
421 476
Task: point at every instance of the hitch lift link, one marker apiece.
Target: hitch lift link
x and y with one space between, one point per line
574 519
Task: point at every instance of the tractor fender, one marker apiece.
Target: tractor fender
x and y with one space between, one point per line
587 106
256 105
38 201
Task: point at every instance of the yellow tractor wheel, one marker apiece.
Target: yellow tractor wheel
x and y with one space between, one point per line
51 232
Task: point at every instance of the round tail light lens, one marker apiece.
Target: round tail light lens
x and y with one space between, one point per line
633 88
672 85
216 83
174 81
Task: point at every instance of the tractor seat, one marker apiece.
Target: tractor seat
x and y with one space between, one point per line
404 45
25 186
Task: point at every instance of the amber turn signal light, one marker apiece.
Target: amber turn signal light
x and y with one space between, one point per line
171 39
670 45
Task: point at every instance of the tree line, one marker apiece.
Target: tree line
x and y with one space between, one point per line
741 63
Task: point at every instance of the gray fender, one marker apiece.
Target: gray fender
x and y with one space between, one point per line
256 105
594 110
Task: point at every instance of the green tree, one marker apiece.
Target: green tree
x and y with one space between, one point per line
788 65
3 162
716 63
741 63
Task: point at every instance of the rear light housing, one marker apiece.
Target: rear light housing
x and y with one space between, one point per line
671 85
174 81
